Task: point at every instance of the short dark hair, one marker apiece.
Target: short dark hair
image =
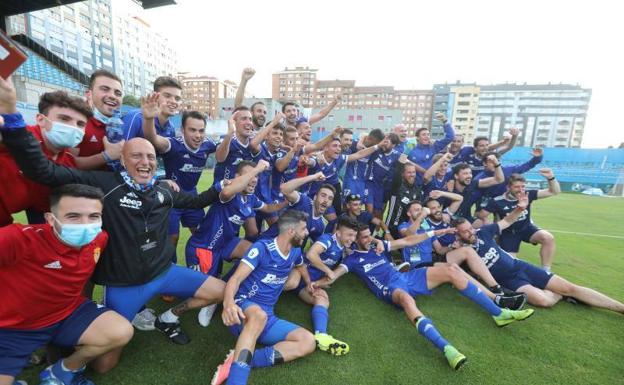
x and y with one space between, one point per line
256 104
77 191
362 227
166 81
436 157
240 108
394 138
346 131
328 187
243 164
458 221
288 129
289 219
429 200
377 134
348 222
421 130
194 115
458 167
288 104
62 99
515 177
476 140
413 202
102 72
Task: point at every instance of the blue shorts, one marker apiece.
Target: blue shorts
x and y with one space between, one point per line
374 194
275 330
190 218
414 282
16 346
524 274
353 187
177 281
210 261
510 241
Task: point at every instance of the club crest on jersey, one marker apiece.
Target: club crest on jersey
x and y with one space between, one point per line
96 254
253 253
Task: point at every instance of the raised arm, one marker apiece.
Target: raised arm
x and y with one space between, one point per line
289 189
414 226
456 199
415 239
239 183
534 161
257 140
112 151
223 149
150 110
553 185
318 146
431 171
449 133
523 203
26 150
498 177
512 141
282 163
248 73
325 111
362 153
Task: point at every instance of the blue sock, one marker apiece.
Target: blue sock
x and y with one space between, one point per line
472 291
62 373
263 357
320 316
238 374
428 330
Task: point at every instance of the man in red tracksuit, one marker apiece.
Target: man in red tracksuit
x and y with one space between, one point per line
43 269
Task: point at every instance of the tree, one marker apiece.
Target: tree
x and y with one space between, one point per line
131 100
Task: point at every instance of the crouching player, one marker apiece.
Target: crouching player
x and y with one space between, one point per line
401 288
250 295
43 269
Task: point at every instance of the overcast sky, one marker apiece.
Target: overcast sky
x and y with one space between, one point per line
411 44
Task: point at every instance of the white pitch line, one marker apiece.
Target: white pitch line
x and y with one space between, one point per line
587 234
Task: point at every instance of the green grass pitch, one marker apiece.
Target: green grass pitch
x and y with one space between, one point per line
568 344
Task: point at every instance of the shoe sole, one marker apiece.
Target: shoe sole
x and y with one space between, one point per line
460 363
214 377
337 349
144 328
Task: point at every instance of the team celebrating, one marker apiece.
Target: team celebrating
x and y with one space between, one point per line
105 196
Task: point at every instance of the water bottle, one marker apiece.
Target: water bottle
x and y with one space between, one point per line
114 128
114 134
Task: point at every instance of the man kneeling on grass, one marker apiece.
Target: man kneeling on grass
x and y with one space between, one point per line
400 288
250 296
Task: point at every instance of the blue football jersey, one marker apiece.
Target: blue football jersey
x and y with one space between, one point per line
420 253
503 206
270 272
446 239
331 256
184 165
227 169
316 225
330 170
375 270
380 166
223 220
265 182
496 259
281 177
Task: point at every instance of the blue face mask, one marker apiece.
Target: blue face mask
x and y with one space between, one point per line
63 135
78 234
100 116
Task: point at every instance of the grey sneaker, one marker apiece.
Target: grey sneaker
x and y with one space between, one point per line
144 320
205 314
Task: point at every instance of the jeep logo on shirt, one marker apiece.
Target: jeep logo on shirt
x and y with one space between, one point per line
130 203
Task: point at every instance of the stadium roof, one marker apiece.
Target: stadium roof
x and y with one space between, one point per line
8 8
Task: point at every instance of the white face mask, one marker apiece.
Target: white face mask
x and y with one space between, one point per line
63 135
